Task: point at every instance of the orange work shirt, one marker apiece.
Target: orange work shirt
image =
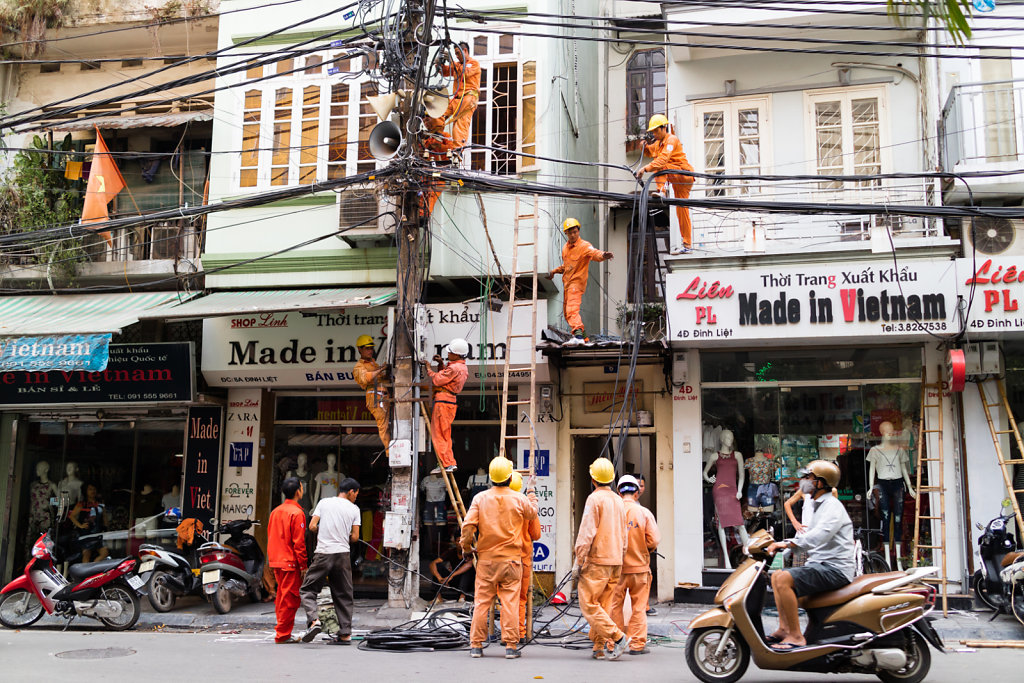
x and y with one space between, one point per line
467 79
452 378
286 537
497 517
576 260
642 536
531 533
602 535
667 154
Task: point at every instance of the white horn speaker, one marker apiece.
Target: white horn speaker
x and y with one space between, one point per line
385 139
382 105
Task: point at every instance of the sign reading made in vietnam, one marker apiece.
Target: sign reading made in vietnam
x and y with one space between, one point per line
877 298
135 373
63 352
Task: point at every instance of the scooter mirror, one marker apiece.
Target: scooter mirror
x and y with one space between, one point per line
978 524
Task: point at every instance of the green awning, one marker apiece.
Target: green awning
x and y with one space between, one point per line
52 314
276 300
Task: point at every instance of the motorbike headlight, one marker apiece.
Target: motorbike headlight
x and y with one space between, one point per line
998 525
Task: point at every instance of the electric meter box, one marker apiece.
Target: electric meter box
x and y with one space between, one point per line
397 529
400 453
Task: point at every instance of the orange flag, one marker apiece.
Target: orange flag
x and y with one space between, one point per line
105 181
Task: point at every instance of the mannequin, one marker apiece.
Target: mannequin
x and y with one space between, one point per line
890 462
41 495
435 517
727 490
761 491
710 436
477 482
70 487
300 471
172 498
147 507
327 481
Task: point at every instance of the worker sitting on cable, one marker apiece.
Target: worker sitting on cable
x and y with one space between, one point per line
368 375
642 536
531 533
466 72
668 153
496 518
575 269
600 547
448 381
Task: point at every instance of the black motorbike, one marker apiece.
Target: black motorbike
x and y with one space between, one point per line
994 545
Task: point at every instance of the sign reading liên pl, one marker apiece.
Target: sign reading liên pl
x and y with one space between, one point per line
993 287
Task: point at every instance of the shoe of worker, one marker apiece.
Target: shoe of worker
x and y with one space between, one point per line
597 654
620 647
436 470
476 652
645 651
651 611
511 653
451 468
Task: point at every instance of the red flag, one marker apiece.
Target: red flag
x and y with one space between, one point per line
105 181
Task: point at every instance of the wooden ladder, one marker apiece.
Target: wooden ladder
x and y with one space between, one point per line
1005 464
454 495
936 472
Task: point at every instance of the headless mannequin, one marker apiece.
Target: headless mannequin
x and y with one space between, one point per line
41 494
757 465
171 499
889 463
70 487
300 471
327 482
729 513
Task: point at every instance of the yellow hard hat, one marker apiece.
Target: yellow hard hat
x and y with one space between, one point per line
500 469
517 481
364 340
657 121
602 471
570 223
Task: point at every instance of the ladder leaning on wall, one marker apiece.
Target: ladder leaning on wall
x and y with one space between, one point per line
931 479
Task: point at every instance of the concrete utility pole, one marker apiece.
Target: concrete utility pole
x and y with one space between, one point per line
403 586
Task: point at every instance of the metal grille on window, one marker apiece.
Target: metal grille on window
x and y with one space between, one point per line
478 129
645 83
337 145
749 133
714 150
828 121
310 134
367 120
250 138
282 136
503 119
866 153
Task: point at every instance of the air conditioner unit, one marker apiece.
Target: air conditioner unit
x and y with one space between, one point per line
366 216
164 242
992 236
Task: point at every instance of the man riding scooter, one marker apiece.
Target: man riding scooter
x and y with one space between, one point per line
830 556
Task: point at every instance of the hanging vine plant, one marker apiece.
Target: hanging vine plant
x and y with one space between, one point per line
29 19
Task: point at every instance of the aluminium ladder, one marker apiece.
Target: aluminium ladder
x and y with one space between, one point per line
1006 464
925 458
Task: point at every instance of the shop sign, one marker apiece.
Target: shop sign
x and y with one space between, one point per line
202 448
135 373
994 287
297 349
607 397
65 352
241 454
543 558
880 298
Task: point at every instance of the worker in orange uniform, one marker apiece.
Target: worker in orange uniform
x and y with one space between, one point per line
531 533
575 269
368 373
667 152
642 536
466 72
439 145
448 381
286 555
496 518
600 546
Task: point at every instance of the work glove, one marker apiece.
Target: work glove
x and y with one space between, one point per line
575 574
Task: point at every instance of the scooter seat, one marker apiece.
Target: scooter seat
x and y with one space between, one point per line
859 586
83 570
1012 557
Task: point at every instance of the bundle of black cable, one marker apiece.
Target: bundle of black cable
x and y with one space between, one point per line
444 629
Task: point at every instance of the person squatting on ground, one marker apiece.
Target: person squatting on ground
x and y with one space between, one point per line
830 556
466 72
368 375
667 153
642 536
496 518
531 533
575 269
600 547
286 555
336 524
448 381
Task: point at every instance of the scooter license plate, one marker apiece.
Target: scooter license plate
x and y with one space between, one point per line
136 582
212 576
147 566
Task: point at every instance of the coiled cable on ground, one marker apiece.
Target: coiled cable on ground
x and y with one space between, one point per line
443 629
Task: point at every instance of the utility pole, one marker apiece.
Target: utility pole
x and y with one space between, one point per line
403 586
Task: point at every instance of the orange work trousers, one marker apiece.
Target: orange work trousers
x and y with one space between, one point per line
380 414
596 588
524 593
681 185
286 602
638 585
460 113
499 578
572 298
441 429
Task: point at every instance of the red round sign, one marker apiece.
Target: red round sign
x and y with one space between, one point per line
956 369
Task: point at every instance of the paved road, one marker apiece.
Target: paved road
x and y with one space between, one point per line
47 655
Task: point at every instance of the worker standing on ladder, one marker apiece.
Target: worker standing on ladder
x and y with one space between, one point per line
531 533
575 269
668 153
448 381
496 518
642 536
461 107
600 547
368 373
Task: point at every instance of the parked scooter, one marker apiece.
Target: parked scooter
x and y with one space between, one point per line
233 568
998 550
1013 586
875 625
107 590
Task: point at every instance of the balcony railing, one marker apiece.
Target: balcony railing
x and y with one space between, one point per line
981 125
176 240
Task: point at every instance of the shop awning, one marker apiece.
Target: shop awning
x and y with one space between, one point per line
276 300
48 314
165 120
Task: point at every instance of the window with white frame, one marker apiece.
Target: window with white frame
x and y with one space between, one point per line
847 132
302 124
732 138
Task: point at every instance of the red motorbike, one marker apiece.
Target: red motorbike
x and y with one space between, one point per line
107 591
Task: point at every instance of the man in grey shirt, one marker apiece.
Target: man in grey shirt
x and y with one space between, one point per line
830 562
